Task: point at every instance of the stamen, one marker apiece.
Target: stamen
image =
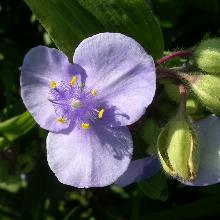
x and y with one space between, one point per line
53 84
85 125
94 93
61 120
101 113
54 101
73 81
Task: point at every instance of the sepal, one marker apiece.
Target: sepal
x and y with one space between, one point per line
207 56
178 148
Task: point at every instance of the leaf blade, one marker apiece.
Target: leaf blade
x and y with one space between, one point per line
17 126
69 22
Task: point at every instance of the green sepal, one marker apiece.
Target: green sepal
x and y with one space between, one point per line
207 90
207 56
178 147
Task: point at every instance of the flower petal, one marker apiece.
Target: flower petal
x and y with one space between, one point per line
89 158
41 66
209 139
121 71
138 170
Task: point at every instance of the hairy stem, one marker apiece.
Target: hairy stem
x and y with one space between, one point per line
163 73
183 53
183 95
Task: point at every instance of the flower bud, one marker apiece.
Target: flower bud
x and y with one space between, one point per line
207 90
178 149
207 56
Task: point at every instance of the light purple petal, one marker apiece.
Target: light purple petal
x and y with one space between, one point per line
89 158
138 170
121 71
209 139
42 65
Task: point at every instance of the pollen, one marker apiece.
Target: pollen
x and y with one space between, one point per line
94 93
85 125
73 81
61 120
53 84
101 113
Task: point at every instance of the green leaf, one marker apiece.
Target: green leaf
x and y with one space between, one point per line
71 213
70 21
149 132
11 187
17 126
120 191
155 187
201 208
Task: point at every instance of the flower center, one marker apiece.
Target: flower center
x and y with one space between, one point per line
75 103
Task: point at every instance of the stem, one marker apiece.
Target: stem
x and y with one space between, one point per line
183 96
183 92
163 73
183 53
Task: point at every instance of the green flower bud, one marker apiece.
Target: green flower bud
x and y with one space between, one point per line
178 149
172 91
207 56
207 90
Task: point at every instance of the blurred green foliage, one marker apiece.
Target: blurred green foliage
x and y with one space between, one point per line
28 188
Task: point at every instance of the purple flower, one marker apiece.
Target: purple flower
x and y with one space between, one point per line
138 170
209 168
87 105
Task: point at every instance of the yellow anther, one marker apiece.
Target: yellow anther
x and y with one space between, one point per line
73 81
53 84
61 120
101 113
94 93
85 125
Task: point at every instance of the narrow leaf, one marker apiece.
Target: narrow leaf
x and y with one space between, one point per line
17 126
155 187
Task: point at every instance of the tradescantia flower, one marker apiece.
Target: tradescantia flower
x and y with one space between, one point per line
209 167
138 170
87 105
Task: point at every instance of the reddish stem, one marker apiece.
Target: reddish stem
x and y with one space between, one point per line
163 73
183 53
183 94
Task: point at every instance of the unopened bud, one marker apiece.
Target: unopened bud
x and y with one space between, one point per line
207 90
178 149
207 56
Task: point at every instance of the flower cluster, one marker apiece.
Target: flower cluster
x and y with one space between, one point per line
86 107
190 152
